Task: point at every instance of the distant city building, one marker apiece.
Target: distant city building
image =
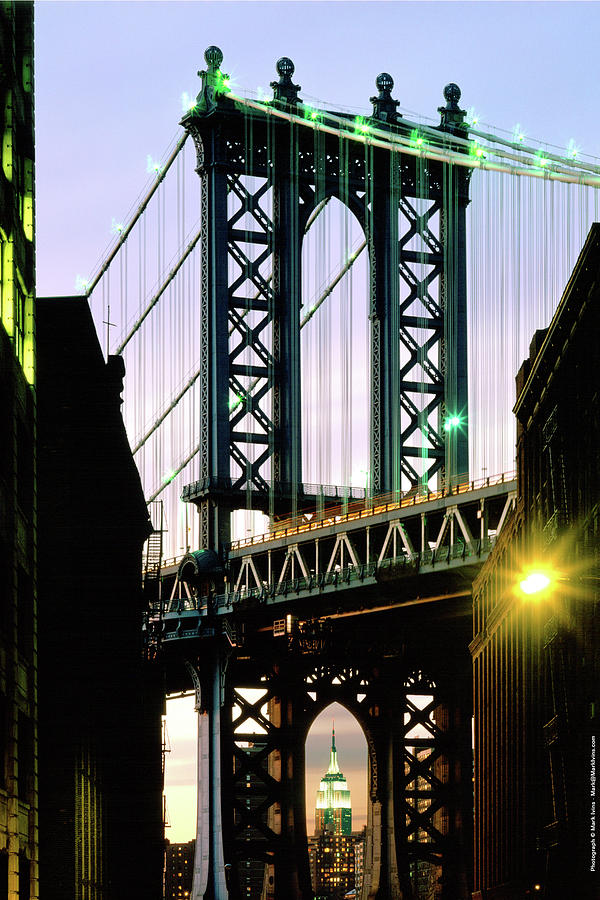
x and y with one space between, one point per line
332 849
332 865
179 870
333 807
18 532
360 840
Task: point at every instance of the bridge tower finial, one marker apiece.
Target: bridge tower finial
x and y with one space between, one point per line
214 82
284 90
384 106
453 117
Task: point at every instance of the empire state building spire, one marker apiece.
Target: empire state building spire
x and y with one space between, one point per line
333 810
333 769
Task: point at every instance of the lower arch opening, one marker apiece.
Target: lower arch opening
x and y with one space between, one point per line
336 802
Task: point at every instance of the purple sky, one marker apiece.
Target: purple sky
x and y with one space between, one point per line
109 80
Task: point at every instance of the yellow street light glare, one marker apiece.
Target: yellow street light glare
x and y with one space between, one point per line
534 583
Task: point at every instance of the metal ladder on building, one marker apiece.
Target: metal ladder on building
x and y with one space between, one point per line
153 554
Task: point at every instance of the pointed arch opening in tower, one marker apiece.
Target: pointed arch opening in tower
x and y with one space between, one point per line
335 362
336 801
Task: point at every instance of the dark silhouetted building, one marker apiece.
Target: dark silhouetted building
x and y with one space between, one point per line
100 701
537 656
18 537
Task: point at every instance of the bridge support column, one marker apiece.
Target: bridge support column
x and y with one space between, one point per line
454 298
209 867
383 879
287 255
386 441
291 873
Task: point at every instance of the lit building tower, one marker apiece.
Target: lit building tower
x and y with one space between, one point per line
331 850
333 810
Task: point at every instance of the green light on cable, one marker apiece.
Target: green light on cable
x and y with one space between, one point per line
187 102
416 138
81 284
152 167
168 478
361 126
573 150
477 151
223 83
518 134
542 160
472 116
311 114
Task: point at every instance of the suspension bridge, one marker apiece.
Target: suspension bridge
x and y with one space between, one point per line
320 335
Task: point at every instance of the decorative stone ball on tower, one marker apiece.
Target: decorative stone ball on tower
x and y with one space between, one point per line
452 116
284 90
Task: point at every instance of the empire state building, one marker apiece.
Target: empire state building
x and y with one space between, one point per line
333 812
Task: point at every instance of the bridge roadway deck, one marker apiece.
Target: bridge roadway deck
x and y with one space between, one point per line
375 557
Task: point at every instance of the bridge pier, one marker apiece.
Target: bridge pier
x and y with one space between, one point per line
209 881
287 765
382 879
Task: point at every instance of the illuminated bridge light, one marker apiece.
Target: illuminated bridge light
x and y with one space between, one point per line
168 478
477 151
152 166
518 134
187 102
116 227
472 116
452 422
573 150
81 284
236 401
416 138
361 125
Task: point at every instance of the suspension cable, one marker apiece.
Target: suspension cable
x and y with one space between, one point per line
136 326
139 211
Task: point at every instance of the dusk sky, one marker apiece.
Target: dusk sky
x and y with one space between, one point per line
109 82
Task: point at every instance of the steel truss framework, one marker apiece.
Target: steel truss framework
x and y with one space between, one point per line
417 726
451 532
262 179
263 674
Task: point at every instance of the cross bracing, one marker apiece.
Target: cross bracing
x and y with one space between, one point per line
162 400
